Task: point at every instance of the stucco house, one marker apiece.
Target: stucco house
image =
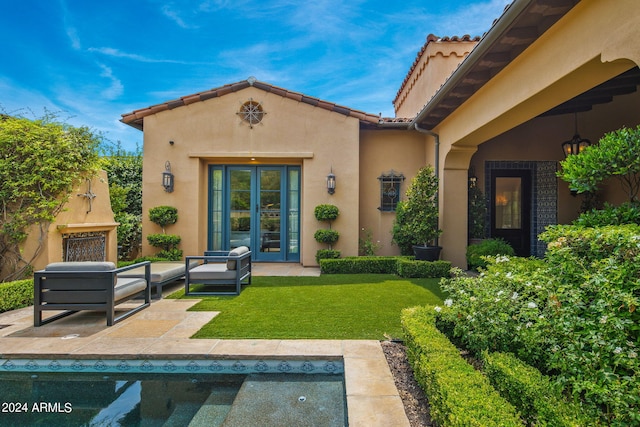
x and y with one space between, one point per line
250 161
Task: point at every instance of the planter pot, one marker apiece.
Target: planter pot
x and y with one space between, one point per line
427 253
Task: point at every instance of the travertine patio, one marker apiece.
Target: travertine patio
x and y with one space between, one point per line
163 331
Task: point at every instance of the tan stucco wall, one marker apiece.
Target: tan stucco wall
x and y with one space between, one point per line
563 63
433 67
76 218
381 151
210 132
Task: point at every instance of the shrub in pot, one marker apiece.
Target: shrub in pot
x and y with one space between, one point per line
416 222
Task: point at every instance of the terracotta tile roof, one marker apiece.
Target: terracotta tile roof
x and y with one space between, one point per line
431 38
136 117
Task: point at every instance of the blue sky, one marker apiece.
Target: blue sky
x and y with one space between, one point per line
91 61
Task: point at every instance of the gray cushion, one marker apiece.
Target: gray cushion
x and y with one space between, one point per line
161 271
211 271
126 287
240 250
81 266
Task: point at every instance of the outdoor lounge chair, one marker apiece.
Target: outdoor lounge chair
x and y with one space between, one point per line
162 273
75 286
218 272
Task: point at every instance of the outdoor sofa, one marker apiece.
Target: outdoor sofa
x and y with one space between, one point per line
221 273
162 273
86 285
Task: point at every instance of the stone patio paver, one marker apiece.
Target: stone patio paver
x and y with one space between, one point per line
164 329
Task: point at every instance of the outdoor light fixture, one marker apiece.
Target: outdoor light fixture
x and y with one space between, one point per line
167 178
331 182
576 144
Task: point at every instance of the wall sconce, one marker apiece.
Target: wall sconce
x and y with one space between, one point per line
331 182
167 178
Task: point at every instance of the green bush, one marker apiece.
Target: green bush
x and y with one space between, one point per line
326 236
539 401
413 268
163 215
327 254
458 394
626 213
500 310
326 212
14 295
572 315
360 265
593 318
167 243
488 247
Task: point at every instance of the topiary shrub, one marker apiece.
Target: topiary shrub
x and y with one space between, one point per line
163 216
488 247
326 236
327 213
327 254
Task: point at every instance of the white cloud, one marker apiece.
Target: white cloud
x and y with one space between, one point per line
115 88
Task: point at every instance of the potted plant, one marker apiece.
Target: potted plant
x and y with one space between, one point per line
416 222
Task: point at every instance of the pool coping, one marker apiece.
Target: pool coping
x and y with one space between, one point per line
162 332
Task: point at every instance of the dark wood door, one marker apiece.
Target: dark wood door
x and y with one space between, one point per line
511 210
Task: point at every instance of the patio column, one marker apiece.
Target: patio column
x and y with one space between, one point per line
454 193
453 216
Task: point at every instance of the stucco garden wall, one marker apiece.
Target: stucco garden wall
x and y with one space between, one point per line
77 217
381 151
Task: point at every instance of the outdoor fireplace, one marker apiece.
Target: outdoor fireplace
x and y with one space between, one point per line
84 246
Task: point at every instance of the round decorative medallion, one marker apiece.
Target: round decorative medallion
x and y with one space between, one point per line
251 112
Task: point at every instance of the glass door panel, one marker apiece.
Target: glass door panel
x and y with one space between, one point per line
508 203
258 207
240 207
270 206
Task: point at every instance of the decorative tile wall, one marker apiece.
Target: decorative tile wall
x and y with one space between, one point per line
544 195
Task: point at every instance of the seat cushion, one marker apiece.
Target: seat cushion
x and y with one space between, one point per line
240 250
161 271
211 271
81 266
128 286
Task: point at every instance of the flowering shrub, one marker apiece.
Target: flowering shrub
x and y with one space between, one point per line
573 315
500 310
594 333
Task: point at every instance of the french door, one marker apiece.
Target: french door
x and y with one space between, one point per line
258 207
511 213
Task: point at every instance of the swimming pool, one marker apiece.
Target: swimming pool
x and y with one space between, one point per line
172 392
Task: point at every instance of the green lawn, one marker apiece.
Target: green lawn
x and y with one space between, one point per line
337 306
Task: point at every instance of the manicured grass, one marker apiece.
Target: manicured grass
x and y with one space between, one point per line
354 306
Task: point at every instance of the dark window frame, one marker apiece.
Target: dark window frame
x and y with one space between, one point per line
390 185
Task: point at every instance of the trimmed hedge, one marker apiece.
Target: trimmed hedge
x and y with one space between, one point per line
14 295
458 394
533 394
360 265
403 266
407 268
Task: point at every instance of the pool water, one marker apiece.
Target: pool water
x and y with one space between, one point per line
175 399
